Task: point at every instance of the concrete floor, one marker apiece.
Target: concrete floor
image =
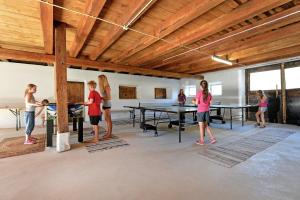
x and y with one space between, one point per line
154 168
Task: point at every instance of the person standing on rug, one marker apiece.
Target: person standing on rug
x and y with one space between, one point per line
181 101
94 110
105 92
262 108
203 100
30 105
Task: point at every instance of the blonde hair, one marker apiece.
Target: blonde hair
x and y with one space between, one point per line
29 87
103 83
93 84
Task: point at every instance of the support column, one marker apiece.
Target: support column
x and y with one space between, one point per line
60 73
283 93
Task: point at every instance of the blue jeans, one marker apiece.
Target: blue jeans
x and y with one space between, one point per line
29 122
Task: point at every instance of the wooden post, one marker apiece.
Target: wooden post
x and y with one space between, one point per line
60 73
283 93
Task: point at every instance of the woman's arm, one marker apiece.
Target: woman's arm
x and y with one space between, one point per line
39 112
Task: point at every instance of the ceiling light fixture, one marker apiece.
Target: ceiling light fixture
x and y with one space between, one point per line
221 60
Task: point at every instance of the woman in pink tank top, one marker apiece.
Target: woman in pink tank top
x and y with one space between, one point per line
262 108
203 100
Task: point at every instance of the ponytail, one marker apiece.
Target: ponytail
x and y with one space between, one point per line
204 86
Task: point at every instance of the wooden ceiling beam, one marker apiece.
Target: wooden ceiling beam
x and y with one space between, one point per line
115 33
93 8
242 13
46 14
38 57
25 56
183 16
190 57
121 68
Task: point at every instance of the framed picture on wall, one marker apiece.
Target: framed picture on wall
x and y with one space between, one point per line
127 92
160 93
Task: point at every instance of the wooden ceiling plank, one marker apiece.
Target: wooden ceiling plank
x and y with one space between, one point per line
180 18
46 13
188 57
93 8
264 39
242 13
116 32
270 56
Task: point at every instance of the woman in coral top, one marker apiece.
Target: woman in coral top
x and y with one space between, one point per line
262 108
203 100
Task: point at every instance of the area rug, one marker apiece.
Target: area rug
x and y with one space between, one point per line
114 142
15 146
232 153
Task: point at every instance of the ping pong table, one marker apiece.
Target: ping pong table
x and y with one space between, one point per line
174 110
188 108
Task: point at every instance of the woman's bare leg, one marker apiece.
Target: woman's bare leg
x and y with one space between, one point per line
211 136
201 127
108 121
257 115
262 116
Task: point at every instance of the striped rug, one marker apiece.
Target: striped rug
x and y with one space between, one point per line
114 142
232 153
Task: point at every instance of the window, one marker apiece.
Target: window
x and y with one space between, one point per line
292 78
215 88
160 93
126 92
190 90
266 80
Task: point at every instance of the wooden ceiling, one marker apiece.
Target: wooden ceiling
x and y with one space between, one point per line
244 31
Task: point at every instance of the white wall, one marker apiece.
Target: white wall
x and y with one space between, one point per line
15 76
233 82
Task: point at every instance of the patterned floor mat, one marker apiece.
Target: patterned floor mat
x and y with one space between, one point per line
232 153
114 142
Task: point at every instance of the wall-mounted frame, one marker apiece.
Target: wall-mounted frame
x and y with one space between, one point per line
127 92
160 93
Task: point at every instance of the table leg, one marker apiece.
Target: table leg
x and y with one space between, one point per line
19 118
50 130
80 129
133 117
230 118
179 127
242 116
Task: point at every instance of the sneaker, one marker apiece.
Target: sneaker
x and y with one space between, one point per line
213 141
29 142
198 142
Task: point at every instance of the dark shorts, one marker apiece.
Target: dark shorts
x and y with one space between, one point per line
105 107
94 120
203 116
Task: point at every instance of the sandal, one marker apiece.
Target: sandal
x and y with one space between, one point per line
213 140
